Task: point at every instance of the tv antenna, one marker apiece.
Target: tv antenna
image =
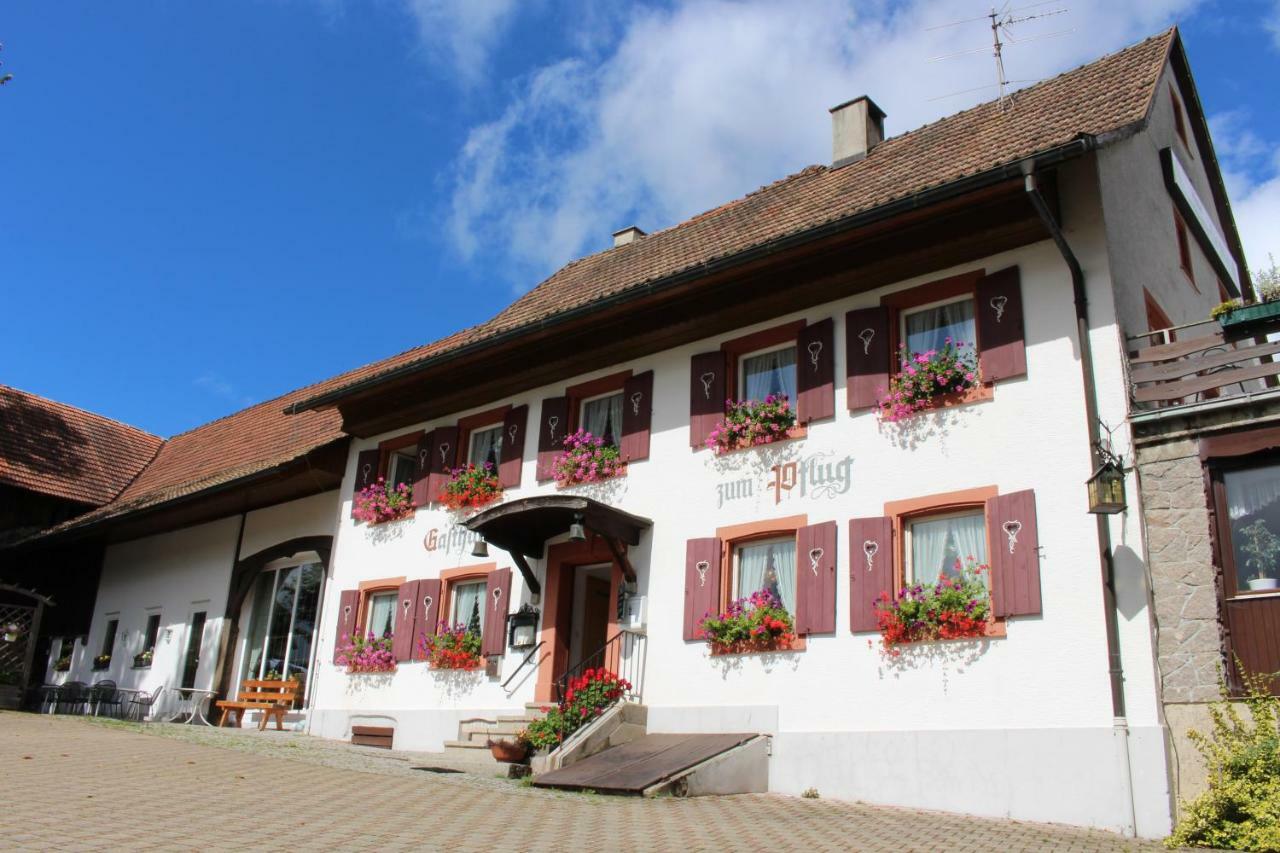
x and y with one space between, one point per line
1002 21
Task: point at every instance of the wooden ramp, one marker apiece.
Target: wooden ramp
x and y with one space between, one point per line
634 767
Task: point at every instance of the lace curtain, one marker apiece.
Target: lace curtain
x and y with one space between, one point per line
937 544
929 328
769 373
603 418
468 606
382 615
769 566
486 446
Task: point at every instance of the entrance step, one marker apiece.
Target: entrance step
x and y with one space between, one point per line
680 764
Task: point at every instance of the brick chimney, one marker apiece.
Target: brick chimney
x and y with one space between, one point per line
857 126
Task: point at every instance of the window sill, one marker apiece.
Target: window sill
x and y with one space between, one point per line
977 394
799 644
141 666
101 668
577 483
796 433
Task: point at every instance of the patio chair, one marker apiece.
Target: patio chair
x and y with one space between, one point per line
141 703
72 697
46 698
104 693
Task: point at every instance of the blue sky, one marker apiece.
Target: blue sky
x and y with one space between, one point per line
206 205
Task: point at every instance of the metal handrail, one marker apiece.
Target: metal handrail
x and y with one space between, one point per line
527 658
624 655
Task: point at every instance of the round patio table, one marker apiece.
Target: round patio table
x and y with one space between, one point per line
192 705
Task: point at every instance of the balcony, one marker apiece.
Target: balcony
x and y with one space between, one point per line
1203 365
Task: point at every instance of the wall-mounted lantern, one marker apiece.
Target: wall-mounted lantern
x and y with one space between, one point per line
523 627
1106 488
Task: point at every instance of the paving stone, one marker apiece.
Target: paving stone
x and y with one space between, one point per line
92 784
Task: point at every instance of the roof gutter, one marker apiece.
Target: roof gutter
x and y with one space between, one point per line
934 195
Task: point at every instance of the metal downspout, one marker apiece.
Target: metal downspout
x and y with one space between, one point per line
1115 666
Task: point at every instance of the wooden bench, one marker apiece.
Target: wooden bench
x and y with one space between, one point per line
272 698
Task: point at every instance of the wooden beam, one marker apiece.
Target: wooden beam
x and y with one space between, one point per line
619 552
525 572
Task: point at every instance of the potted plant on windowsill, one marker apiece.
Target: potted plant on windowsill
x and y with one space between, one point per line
927 378
142 659
751 423
380 501
366 654
471 487
1261 548
62 664
586 459
757 623
452 648
101 662
954 608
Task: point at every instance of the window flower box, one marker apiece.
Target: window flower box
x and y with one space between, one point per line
142 660
1235 316
471 487
452 648
749 423
758 623
955 608
366 654
380 502
587 697
101 662
586 459
928 378
62 664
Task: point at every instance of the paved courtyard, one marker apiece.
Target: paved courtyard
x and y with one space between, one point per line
71 783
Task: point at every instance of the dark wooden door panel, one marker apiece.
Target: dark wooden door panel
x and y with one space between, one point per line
1255 634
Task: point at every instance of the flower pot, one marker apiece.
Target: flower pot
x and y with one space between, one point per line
1242 319
1256 584
510 751
784 643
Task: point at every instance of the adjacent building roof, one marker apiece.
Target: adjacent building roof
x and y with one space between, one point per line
64 452
1101 98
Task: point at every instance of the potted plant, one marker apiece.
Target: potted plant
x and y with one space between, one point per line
954 608
452 648
366 654
757 623
1261 547
101 662
12 632
1238 316
62 664
142 659
471 487
750 423
510 751
586 459
380 501
585 698
923 377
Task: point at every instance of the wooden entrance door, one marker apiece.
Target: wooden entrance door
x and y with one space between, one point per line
595 615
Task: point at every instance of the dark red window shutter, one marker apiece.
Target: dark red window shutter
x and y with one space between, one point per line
701 583
444 455
366 472
553 426
868 356
816 371
870 569
1002 350
497 595
706 395
428 618
402 640
1015 554
816 579
513 433
637 415
422 475
348 601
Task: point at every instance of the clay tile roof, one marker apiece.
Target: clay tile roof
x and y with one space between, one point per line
1102 97
65 452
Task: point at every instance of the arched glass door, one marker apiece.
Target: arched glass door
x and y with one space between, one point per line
282 623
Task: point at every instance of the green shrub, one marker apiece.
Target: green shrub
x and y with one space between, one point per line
1241 808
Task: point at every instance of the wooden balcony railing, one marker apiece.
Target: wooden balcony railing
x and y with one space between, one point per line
1202 362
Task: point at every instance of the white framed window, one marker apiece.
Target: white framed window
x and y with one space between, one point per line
485 446
283 620
768 372
468 605
927 327
602 417
380 613
402 466
934 544
766 564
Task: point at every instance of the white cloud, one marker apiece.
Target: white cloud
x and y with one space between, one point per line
1251 171
693 105
220 387
463 32
1271 22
